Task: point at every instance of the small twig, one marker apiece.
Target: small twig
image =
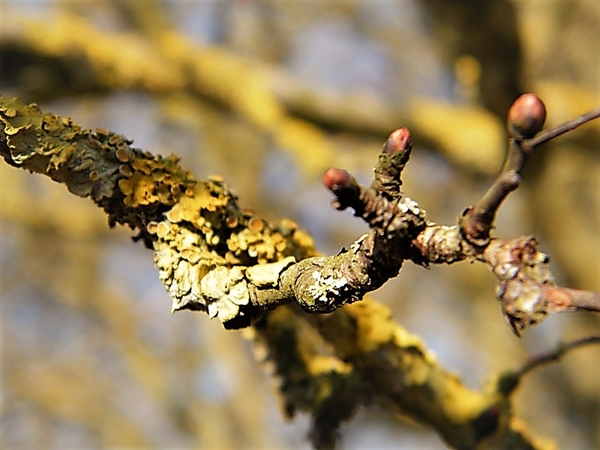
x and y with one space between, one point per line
525 120
560 299
547 135
392 159
477 221
556 354
508 381
385 189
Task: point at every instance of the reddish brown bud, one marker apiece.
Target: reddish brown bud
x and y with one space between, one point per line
343 186
336 179
397 141
526 116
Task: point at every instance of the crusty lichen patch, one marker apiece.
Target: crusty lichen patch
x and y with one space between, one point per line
211 254
59 148
197 277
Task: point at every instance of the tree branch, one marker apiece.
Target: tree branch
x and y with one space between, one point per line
509 380
217 257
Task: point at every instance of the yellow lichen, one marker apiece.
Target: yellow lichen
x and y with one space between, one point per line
267 275
162 229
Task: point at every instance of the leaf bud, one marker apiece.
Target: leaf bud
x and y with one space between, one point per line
336 179
526 116
397 141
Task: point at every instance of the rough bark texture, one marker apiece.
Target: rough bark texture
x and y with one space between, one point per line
216 257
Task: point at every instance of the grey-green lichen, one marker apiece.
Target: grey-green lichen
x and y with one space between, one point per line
216 258
59 148
324 287
131 185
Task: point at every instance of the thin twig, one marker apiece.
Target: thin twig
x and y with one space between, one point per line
509 380
556 354
547 135
526 116
564 299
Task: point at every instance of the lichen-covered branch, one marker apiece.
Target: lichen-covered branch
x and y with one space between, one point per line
195 227
359 356
217 257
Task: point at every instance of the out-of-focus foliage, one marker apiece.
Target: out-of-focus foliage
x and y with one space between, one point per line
269 94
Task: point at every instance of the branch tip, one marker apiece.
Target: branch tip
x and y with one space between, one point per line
336 179
343 185
397 141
